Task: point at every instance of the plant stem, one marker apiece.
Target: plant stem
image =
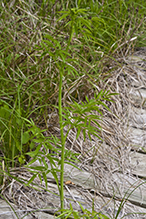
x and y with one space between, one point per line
62 142
63 138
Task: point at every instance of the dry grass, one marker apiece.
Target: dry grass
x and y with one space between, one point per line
96 69
103 159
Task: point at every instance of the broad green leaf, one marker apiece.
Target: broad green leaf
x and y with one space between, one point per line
32 145
75 215
34 153
17 144
19 121
25 137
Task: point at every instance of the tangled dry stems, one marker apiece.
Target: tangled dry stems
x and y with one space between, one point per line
100 158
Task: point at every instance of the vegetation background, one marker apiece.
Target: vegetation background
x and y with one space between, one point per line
53 57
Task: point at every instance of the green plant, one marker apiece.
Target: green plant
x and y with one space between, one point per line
51 151
12 134
54 54
79 116
86 214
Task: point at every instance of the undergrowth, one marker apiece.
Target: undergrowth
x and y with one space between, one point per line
53 56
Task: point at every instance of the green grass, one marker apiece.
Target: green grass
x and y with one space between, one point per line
53 54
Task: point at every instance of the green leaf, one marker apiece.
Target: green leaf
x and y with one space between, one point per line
38 168
99 95
25 137
55 177
56 42
31 162
102 216
34 153
71 164
22 159
84 134
63 16
31 179
83 210
38 140
51 160
40 178
75 215
78 132
45 179
89 136
19 121
49 44
44 162
32 145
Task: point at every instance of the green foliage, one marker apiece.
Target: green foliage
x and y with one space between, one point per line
86 214
85 116
52 55
13 137
48 156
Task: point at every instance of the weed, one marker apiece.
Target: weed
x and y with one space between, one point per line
54 55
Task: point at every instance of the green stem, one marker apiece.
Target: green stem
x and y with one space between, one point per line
62 142
63 138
